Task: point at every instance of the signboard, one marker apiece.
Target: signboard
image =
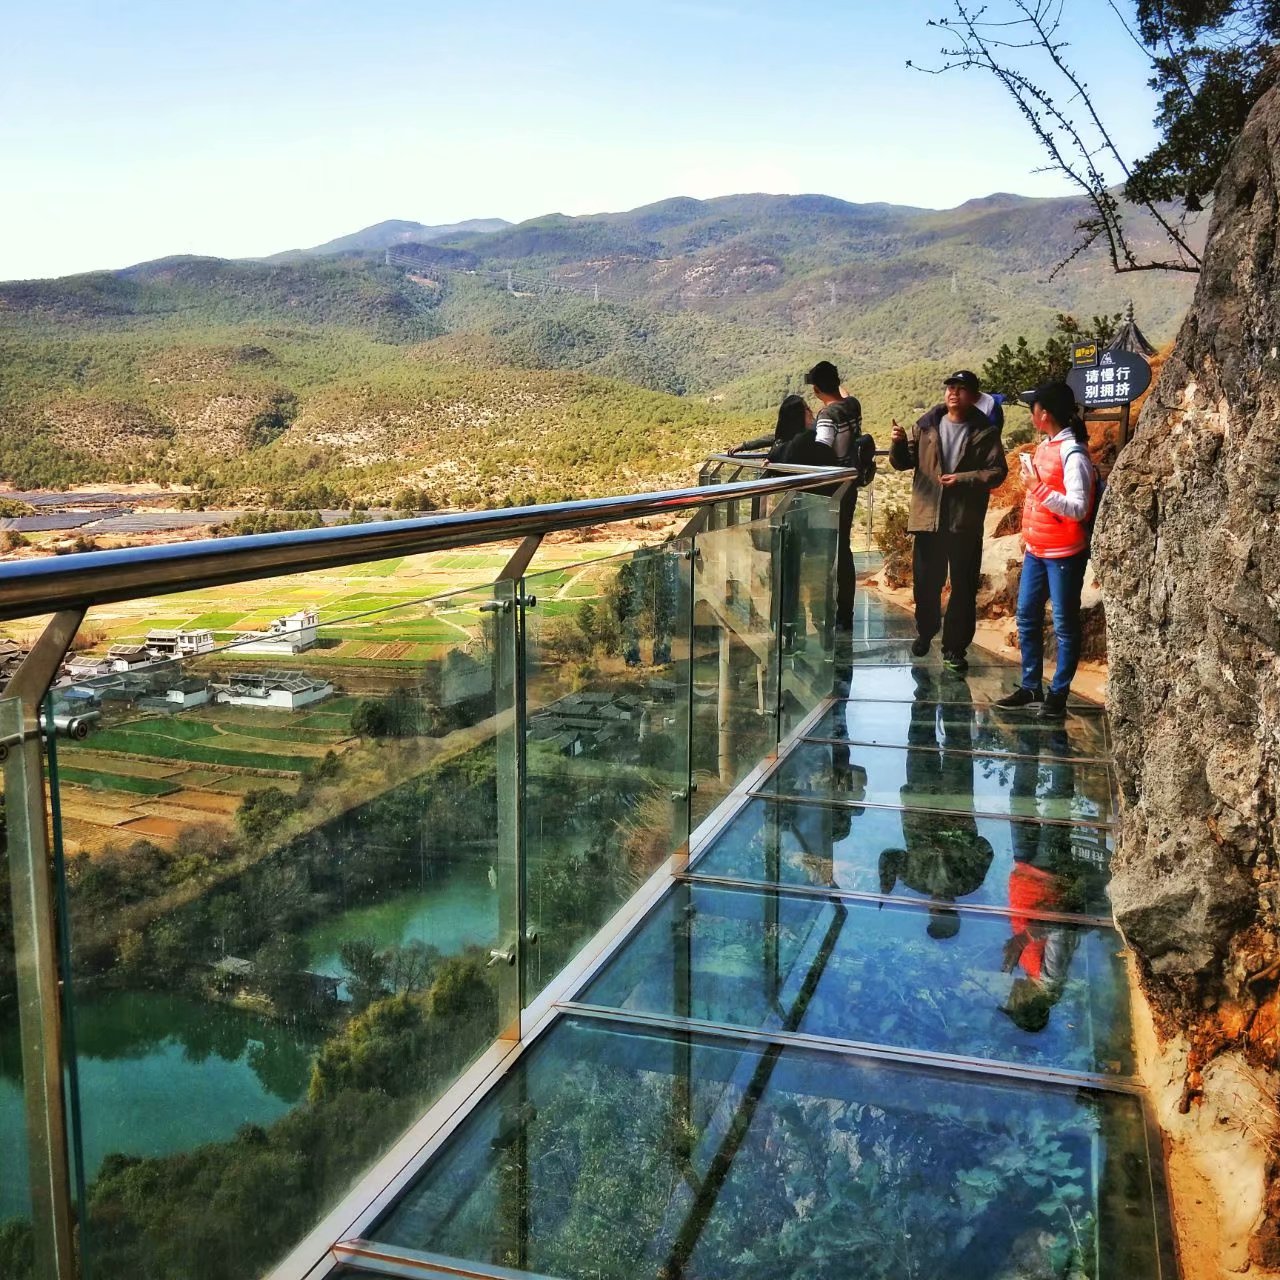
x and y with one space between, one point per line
1119 378
1084 355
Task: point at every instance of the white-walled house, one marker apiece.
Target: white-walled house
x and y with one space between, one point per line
293 633
164 643
278 690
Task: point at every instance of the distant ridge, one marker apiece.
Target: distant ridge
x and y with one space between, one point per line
384 235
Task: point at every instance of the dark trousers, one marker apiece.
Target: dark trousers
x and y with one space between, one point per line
846 573
934 557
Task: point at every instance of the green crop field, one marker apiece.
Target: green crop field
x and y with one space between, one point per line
115 782
166 747
214 621
378 569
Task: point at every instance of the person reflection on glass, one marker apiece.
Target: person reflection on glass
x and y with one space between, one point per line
945 858
810 832
1046 877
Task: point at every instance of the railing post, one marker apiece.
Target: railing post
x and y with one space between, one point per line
509 680
36 948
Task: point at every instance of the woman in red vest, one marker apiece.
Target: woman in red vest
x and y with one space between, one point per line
1061 490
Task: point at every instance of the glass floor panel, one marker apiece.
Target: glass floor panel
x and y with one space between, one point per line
612 1152
894 648
927 722
940 980
932 779
915 854
981 685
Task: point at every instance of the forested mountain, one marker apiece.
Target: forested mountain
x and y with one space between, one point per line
554 356
385 235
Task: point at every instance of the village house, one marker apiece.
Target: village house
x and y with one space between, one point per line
281 690
294 633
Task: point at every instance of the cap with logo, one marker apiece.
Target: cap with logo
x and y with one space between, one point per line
964 378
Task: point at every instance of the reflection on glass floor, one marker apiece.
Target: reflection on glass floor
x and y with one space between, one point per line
955 781
933 978
879 1029
929 721
914 854
616 1151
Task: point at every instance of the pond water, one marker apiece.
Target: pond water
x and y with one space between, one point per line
141 1050
457 910
161 1073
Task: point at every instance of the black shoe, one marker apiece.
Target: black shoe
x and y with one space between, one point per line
1054 707
920 647
1021 697
955 662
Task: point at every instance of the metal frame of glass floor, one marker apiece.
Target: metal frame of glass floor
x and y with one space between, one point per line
875 1025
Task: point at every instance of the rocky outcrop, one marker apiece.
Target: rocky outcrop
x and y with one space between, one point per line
1187 551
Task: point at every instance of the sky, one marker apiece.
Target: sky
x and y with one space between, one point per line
137 129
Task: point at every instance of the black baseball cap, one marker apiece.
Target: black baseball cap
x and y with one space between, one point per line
1056 398
825 376
964 378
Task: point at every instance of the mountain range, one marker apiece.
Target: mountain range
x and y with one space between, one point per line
484 361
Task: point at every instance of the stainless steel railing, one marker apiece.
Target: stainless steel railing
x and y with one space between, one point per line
32 587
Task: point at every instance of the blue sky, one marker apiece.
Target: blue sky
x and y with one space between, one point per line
137 129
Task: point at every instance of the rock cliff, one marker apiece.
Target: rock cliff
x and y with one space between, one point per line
1187 552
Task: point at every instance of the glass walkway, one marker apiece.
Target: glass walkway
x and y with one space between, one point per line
367 908
878 1028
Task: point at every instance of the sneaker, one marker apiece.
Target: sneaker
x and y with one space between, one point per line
1021 697
920 647
1054 707
955 662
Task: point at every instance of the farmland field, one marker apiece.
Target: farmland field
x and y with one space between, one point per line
115 782
141 775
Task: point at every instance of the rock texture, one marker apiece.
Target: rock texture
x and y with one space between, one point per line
1187 551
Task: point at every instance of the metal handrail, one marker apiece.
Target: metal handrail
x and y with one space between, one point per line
33 587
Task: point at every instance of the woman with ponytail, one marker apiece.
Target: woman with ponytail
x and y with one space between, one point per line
1062 489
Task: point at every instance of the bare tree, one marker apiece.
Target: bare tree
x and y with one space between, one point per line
1026 52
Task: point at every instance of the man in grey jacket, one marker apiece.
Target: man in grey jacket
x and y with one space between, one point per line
958 457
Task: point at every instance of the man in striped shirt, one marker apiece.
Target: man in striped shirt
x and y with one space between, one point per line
838 425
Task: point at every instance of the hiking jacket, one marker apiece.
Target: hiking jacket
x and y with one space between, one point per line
962 507
1066 482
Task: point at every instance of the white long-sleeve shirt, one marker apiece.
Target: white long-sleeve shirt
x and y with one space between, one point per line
1077 476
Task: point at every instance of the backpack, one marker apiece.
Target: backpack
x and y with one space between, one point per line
1099 489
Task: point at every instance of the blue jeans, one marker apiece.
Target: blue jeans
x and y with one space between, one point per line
1060 581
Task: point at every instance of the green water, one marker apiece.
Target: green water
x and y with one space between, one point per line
457 910
161 1073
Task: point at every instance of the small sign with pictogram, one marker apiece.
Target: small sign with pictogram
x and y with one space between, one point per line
1120 377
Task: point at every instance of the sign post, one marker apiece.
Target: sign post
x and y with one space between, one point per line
1115 378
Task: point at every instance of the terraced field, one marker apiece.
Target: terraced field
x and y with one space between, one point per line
153 776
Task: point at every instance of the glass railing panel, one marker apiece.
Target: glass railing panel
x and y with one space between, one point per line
286 889
914 854
941 979
929 721
607 742
735 656
612 1151
16 1258
806 574
1061 790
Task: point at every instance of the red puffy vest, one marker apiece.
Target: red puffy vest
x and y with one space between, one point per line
1050 536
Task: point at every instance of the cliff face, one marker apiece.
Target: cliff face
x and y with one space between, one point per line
1188 555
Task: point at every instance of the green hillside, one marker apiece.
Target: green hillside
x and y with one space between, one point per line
559 356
